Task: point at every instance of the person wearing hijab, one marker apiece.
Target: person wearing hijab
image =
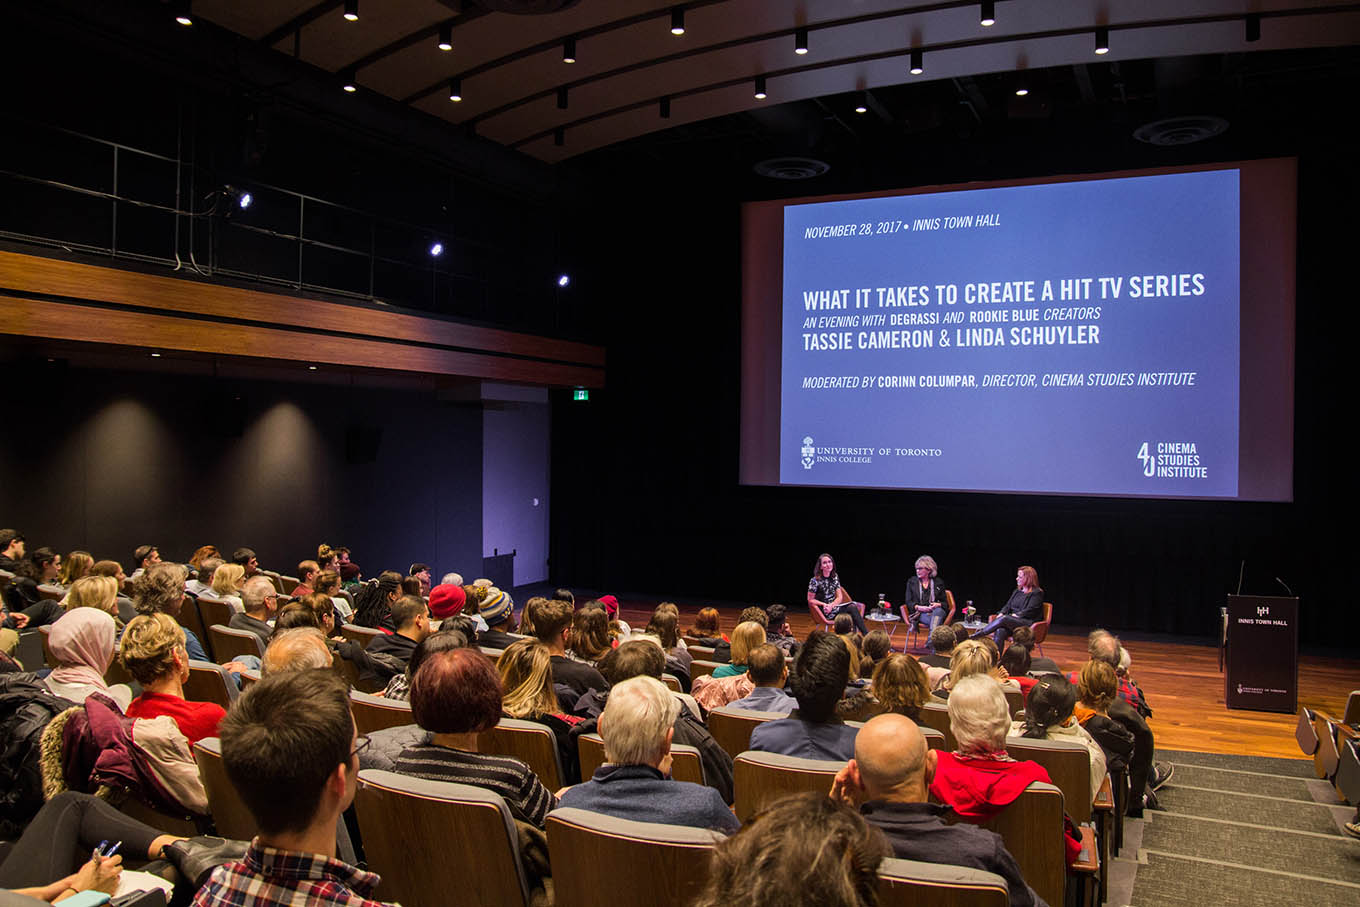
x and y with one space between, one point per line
82 642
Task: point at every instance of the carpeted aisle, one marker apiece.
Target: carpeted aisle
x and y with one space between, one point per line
1239 830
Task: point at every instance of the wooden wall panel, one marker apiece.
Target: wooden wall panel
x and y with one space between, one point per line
110 286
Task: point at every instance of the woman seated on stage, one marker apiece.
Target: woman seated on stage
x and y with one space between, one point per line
1025 606
924 601
1048 716
826 592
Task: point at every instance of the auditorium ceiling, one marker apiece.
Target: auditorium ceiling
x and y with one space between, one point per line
633 75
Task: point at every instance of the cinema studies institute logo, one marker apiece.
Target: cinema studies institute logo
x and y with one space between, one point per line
808 451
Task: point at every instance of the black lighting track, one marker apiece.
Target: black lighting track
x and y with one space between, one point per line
904 52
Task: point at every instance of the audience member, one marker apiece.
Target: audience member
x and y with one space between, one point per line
813 731
73 567
412 619
899 684
777 631
804 849
526 678
260 601
296 649
500 621
290 749
1037 665
82 643
201 585
745 637
638 726
160 590
889 780
979 779
1048 716
768 672
307 573
153 651
456 695
552 623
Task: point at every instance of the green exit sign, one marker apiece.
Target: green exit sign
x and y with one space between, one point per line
580 394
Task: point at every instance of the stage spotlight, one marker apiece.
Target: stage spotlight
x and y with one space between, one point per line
446 36
562 98
352 10
455 89
665 108
183 11
1102 40
569 50
760 88
917 62
348 81
436 249
800 41
1254 27
988 16
678 21
564 280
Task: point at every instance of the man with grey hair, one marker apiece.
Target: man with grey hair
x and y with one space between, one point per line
635 783
889 781
1145 776
298 649
261 601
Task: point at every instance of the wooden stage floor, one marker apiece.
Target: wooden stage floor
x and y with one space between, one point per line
1181 681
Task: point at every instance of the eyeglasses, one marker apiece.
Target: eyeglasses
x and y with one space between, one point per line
360 744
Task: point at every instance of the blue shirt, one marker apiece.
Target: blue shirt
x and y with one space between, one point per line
833 740
766 699
643 794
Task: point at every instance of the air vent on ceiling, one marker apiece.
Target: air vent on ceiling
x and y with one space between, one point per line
1181 130
792 168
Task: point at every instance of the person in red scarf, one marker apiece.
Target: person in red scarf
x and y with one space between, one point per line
979 779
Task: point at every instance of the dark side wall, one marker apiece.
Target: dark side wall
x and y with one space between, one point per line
110 460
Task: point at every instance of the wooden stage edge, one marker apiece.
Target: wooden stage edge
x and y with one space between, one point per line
1180 679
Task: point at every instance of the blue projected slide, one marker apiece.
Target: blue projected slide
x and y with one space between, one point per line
1078 337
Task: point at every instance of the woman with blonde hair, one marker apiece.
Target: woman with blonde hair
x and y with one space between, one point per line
526 676
745 637
76 565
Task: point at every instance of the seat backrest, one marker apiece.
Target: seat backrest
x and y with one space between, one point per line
759 778
648 863
229 813
209 683
211 612
908 883
935 714
698 668
732 727
189 619
1304 732
375 713
529 742
429 838
1032 830
360 636
685 762
1068 766
228 644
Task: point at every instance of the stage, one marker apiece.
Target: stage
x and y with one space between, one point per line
1179 677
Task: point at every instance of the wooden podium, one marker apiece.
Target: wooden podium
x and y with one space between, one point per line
1263 653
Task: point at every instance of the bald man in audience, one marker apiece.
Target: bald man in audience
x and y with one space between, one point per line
889 780
298 649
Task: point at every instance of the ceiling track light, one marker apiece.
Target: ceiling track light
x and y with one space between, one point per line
988 13
1254 27
562 98
760 88
917 61
352 10
559 137
665 108
348 81
800 41
183 11
569 50
446 36
1102 40
678 21
455 89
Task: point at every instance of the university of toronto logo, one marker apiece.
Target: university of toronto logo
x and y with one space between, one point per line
808 451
